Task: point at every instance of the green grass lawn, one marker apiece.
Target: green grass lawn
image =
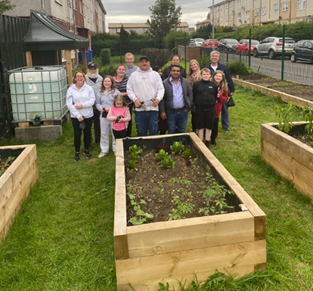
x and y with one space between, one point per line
63 237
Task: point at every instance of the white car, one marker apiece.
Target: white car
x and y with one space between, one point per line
199 41
273 47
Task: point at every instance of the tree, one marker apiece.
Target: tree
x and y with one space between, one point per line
164 17
124 40
5 5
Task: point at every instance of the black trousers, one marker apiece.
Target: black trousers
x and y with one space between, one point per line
215 129
96 124
120 133
129 127
78 133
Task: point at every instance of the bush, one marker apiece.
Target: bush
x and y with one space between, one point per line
204 61
107 70
238 67
105 56
157 56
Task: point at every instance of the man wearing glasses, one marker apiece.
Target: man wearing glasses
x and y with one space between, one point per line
177 101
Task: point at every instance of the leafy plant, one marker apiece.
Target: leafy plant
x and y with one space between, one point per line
187 153
215 197
177 147
161 155
307 114
167 162
141 216
135 149
182 208
285 115
132 164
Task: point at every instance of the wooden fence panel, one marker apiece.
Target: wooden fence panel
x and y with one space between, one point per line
12 55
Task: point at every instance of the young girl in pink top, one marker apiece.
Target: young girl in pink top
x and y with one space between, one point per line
119 116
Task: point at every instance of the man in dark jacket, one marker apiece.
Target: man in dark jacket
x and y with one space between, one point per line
167 70
214 66
176 102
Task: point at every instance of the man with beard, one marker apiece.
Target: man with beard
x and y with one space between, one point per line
95 80
177 101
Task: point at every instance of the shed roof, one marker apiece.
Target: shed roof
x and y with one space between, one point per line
44 34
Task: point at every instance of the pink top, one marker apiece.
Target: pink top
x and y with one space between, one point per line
115 112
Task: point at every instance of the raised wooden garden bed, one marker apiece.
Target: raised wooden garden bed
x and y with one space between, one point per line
291 158
16 181
174 251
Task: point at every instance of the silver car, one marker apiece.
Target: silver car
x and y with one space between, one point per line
273 47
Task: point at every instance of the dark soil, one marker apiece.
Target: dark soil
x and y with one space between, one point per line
5 164
159 186
295 89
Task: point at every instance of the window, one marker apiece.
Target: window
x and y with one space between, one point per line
285 6
301 4
247 14
227 5
231 4
256 12
226 18
221 20
238 2
263 10
276 7
247 1
231 17
239 16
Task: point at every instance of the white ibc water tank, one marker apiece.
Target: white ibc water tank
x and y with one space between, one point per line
38 91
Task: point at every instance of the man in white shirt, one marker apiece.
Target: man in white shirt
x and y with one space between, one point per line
145 89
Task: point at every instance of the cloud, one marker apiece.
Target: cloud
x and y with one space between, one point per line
119 11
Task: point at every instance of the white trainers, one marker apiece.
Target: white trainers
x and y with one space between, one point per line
102 154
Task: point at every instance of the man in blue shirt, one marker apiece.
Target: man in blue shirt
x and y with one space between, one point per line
177 101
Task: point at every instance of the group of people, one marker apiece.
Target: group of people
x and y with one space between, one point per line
162 101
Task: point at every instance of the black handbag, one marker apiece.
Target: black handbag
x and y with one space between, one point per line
231 102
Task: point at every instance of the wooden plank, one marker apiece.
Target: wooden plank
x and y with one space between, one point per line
291 146
16 183
23 124
188 234
120 218
242 195
300 102
69 67
29 59
238 272
48 122
178 265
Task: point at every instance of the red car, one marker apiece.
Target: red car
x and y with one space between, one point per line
209 43
243 46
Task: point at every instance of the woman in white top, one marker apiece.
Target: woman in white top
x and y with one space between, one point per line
80 98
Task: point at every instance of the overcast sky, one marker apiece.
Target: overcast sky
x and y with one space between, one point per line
138 10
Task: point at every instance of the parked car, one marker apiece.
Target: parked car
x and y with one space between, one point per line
243 46
199 41
227 45
209 43
192 43
303 50
273 47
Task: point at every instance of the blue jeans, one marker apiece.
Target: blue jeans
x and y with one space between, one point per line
147 120
225 116
177 118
